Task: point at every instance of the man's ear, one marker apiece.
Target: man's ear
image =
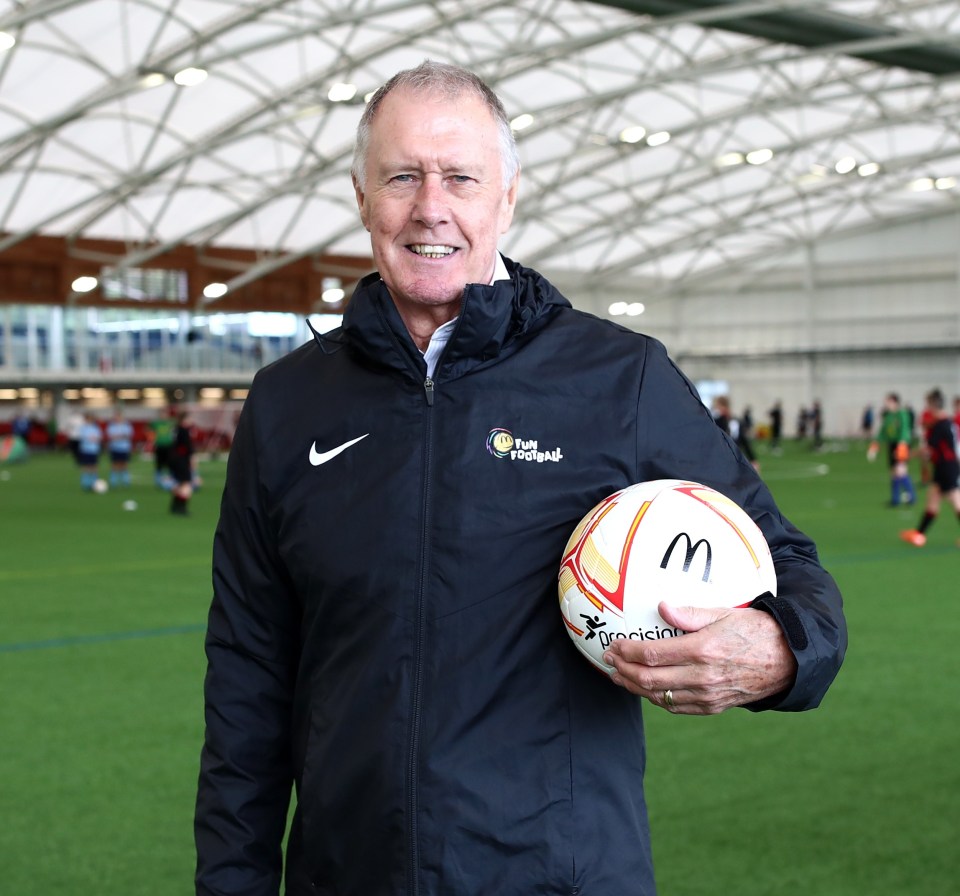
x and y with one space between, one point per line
509 203
361 202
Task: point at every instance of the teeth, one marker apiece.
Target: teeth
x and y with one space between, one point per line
432 251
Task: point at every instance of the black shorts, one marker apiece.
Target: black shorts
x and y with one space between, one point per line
120 457
181 469
161 455
947 476
892 454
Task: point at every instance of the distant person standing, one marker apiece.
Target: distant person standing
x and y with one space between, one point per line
941 449
21 426
75 422
120 446
734 428
895 432
928 416
89 444
866 422
816 425
181 466
776 425
163 429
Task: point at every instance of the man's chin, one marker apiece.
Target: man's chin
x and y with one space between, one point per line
427 292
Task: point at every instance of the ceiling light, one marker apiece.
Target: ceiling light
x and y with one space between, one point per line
659 138
759 156
945 183
617 308
149 80
729 159
342 93
190 77
331 290
6 41
214 290
369 96
921 184
845 165
867 169
84 284
521 122
633 135
815 175
635 308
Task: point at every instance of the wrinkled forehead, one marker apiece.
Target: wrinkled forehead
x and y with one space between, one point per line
429 102
432 127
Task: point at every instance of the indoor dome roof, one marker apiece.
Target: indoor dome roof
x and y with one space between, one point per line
661 145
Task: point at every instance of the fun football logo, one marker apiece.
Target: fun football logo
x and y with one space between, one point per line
503 444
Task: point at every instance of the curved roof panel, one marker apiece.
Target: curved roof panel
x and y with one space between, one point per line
659 145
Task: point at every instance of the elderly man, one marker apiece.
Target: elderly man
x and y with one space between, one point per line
385 635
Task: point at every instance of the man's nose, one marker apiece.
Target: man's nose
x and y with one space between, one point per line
430 206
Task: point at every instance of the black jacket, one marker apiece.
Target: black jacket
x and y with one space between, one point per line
385 629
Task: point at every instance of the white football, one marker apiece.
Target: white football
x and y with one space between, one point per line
664 540
100 486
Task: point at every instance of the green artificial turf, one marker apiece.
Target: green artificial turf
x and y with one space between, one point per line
101 659
861 796
101 664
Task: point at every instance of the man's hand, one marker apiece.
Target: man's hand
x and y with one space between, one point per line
728 658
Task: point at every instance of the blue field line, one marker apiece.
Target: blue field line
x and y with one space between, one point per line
104 638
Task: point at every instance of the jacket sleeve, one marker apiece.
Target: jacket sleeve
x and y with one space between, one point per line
252 647
678 438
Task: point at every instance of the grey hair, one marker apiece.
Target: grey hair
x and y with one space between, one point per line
449 81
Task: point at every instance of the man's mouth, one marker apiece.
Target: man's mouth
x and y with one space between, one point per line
427 251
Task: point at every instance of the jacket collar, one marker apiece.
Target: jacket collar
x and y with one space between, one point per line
494 319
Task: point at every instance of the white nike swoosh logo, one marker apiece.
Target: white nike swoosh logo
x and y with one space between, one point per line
321 457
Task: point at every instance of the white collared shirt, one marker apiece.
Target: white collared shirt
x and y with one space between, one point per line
441 336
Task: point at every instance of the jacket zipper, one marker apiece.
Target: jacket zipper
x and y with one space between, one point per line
413 886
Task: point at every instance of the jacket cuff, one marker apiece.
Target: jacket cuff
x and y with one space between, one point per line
789 620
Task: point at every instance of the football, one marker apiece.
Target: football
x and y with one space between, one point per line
100 486
663 540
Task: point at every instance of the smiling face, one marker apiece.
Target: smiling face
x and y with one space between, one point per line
434 200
